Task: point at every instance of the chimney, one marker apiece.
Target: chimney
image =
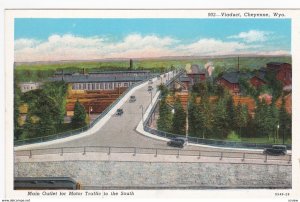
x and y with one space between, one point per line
238 66
130 64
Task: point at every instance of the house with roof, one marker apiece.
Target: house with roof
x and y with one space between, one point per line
282 70
258 79
231 81
195 75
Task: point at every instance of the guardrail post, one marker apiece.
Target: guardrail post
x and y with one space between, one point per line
178 153
243 159
155 153
62 151
30 154
134 151
108 151
84 151
199 153
266 158
221 156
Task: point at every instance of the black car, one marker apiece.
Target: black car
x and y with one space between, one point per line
132 98
177 142
119 112
276 150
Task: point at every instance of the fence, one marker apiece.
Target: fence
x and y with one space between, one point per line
79 130
156 152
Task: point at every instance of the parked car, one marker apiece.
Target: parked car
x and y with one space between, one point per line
150 81
150 88
132 98
177 142
119 112
276 150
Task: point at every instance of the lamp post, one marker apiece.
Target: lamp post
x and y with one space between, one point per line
151 96
277 131
141 107
90 110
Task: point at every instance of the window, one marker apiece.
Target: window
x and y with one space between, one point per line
101 85
106 85
84 86
125 84
110 85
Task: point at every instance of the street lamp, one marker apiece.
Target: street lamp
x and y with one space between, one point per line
277 131
151 96
90 110
141 107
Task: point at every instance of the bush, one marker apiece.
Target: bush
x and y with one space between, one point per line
233 136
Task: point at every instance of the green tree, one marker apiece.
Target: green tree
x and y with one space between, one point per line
17 102
79 117
230 112
285 121
220 119
164 122
179 119
241 117
41 116
164 90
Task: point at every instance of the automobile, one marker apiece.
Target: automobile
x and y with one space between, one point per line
150 81
132 98
165 75
119 112
177 142
150 88
276 150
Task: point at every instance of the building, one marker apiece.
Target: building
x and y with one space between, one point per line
109 80
282 70
258 79
231 81
28 86
196 75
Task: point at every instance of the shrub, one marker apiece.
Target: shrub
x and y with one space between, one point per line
233 136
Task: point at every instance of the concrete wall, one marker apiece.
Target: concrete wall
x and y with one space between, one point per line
155 175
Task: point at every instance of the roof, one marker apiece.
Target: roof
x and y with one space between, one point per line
234 77
66 72
87 78
260 74
120 72
184 79
275 66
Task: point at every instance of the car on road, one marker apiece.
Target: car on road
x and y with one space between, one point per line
177 142
132 98
119 112
150 81
150 88
276 150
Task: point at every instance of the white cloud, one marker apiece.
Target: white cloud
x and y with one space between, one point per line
212 46
70 47
252 36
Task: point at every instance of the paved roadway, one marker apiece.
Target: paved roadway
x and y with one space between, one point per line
119 131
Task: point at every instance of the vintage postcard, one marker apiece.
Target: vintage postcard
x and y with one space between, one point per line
152 103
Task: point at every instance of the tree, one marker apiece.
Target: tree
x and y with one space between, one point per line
164 122
241 117
230 112
285 121
41 117
164 90
17 102
79 117
179 119
220 119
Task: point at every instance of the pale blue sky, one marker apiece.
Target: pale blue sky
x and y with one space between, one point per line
165 36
